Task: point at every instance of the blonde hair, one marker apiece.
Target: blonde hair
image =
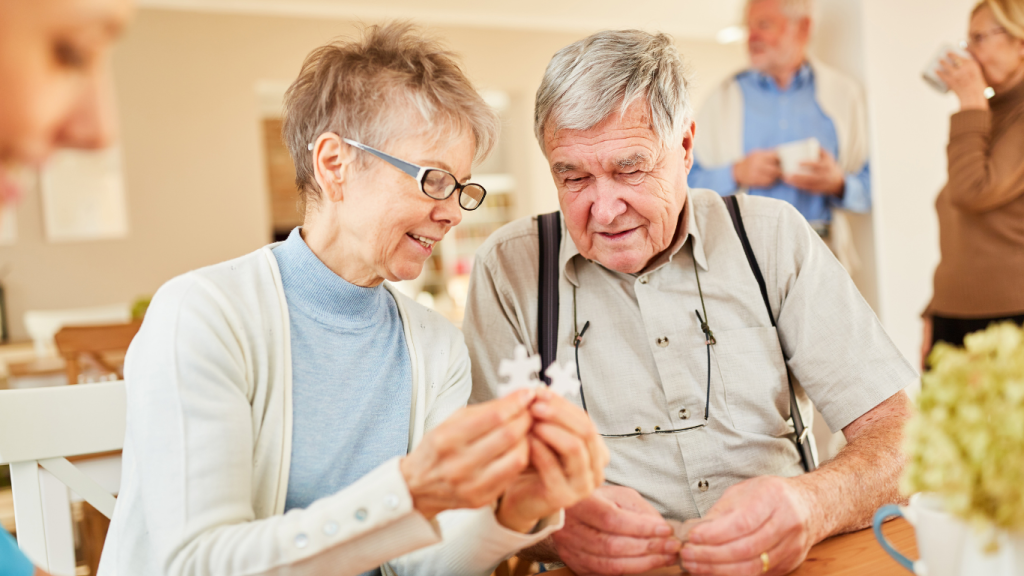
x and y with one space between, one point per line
590 79
365 90
1009 14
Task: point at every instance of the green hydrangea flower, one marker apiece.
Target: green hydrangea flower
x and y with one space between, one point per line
966 439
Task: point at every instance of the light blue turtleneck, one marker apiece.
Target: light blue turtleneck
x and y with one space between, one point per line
351 376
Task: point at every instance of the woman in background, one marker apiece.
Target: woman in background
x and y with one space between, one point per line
981 209
54 93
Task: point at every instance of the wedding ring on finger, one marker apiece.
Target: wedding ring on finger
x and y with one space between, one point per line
764 562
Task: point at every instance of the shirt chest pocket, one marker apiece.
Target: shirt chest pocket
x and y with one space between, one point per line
753 373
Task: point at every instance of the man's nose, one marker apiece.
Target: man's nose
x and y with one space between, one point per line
608 203
90 122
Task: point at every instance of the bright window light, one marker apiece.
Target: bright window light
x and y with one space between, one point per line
731 34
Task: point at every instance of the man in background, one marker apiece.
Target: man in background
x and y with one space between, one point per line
785 97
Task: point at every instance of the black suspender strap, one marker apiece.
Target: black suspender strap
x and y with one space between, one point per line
802 445
550 228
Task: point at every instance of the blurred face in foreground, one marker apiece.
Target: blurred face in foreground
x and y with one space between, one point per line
776 43
55 79
621 189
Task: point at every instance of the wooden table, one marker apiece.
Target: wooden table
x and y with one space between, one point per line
857 553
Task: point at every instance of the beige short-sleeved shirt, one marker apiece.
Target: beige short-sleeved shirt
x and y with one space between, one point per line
644 362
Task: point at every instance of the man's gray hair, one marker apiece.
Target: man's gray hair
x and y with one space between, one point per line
604 73
793 9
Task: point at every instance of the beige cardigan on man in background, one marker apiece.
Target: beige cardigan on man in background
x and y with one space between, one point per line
720 126
208 446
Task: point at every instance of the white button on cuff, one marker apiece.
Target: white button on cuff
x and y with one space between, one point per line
391 502
361 514
331 528
301 541
703 485
663 341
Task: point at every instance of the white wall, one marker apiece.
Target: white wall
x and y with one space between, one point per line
909 131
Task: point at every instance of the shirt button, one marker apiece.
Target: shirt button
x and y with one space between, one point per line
331 528
663 341
361 514
684 414
703 485
391 502
643 279
301 541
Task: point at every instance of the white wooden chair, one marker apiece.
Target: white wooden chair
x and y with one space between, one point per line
39 429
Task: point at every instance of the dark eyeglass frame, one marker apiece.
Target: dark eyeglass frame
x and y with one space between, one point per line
420 174
977 38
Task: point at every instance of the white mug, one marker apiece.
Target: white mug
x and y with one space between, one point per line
940 535
791 154
929 72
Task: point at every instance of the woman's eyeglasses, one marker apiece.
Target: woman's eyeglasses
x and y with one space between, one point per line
436 183
976 38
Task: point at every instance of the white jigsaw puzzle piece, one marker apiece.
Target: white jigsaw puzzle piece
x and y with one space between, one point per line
521 372
563 379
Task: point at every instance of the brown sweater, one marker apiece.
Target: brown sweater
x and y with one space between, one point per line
981 213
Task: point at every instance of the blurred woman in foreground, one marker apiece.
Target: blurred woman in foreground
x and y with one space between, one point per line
981 209
54 93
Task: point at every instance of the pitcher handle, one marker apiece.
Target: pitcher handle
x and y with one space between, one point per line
883 514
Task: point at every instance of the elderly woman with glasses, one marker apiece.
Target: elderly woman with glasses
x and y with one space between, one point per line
289 412
981 208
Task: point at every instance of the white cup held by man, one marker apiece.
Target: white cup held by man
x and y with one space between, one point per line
793 154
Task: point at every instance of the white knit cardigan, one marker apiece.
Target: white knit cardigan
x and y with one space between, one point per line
208 443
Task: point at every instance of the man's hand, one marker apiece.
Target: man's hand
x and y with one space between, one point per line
567 457
965 78
823 177
615 531
765 514
786 516
760 169
472 457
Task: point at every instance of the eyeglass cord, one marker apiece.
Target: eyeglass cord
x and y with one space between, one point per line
576 340
709 336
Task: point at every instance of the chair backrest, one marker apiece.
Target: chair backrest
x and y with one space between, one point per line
75 341
42 428
43 324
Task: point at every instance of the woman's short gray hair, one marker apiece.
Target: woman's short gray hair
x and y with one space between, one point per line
366 89
590 79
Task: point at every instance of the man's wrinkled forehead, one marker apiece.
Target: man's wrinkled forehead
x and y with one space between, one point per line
625 139
627 160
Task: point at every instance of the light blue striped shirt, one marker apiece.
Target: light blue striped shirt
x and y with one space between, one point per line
771 117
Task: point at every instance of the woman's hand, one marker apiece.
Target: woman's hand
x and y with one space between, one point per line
567 459
470 459
965 78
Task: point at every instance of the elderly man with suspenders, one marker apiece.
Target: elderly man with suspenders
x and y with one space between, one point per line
701 329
